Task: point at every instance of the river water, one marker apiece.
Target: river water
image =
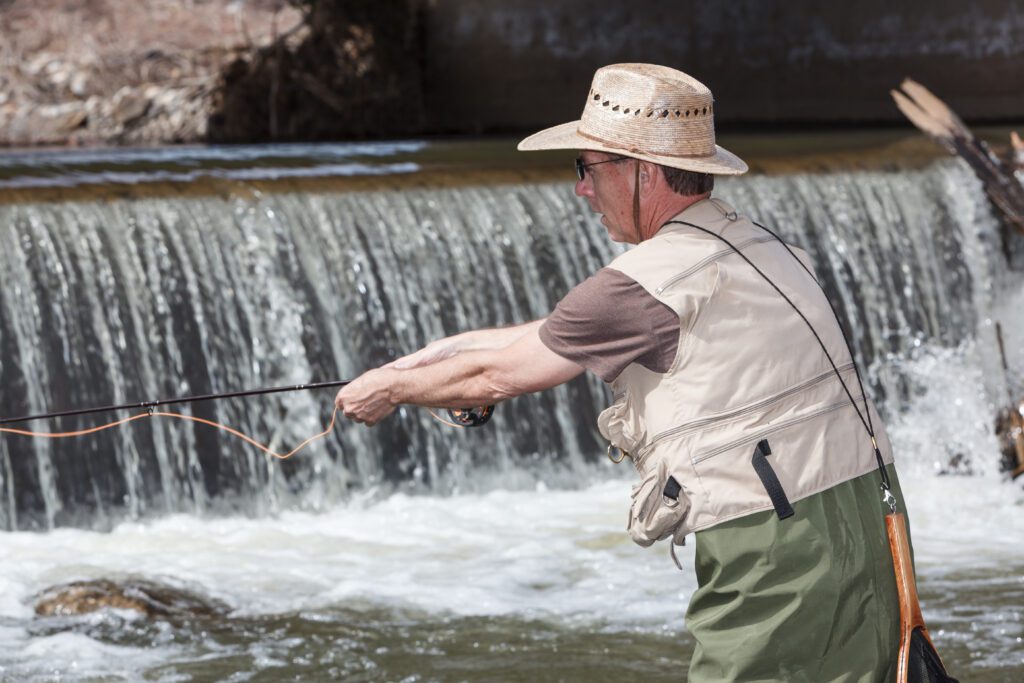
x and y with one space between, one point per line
411 552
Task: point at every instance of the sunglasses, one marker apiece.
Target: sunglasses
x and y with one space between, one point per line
581 168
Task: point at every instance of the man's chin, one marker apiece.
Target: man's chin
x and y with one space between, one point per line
615 236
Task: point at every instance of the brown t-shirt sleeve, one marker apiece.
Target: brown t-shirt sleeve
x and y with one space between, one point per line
609 321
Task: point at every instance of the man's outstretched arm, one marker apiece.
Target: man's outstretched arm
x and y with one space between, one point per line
471 378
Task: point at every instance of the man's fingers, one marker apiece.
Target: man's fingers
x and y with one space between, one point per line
365 399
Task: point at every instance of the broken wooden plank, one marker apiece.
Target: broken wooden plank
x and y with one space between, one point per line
938 121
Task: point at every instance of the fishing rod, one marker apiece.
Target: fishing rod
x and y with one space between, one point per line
150 405
463 417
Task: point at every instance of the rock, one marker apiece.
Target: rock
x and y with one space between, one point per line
177 119
61 119
128 105
145 597
168 98
38 63
59 73
81 83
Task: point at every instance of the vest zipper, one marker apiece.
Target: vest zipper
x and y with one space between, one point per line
707 260
707 421
765 434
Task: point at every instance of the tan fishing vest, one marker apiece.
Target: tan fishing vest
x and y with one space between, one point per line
747 369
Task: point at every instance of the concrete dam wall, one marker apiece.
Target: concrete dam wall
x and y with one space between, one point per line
492 65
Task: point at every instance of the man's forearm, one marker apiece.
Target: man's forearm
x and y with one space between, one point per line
468 379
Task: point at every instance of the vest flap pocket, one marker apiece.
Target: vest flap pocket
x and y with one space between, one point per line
659 506
622 425
807 453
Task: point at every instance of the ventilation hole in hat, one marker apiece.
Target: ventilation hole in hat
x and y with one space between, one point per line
705 110
650 113
625 111
615 108
605 103
664 113
636 112
678 113
687 112
596 96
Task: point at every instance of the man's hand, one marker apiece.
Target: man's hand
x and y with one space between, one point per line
367 399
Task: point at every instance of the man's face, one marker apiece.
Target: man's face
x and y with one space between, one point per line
608 189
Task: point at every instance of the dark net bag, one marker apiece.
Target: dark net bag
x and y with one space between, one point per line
923 663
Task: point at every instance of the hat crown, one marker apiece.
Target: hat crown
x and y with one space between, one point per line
650 109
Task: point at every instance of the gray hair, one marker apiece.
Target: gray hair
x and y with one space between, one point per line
688 183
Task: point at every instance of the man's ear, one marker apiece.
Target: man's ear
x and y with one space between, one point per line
650 177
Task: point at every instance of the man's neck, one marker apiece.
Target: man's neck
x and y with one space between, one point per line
670 208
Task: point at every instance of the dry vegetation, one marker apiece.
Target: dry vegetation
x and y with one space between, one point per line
123 71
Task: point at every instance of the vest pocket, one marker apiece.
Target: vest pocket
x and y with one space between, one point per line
659 506
807 452
622 424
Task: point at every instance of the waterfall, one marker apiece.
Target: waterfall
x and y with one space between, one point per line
130 299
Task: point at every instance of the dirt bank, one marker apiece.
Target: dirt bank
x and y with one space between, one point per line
79 72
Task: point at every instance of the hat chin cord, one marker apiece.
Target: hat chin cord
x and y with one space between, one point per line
636 202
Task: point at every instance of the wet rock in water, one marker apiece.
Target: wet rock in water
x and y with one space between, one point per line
958 463
145 597
1010 433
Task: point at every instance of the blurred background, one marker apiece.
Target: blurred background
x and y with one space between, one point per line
171 71
209 196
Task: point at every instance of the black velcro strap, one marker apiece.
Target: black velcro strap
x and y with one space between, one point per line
672 489
768 479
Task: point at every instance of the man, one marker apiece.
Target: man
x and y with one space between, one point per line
735 395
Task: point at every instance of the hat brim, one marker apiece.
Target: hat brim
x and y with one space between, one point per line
566 136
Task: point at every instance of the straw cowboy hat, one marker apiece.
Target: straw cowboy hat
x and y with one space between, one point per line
648 112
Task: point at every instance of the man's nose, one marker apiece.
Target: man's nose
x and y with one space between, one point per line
583 188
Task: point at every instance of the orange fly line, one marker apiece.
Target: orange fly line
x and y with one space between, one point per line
210 423
179 416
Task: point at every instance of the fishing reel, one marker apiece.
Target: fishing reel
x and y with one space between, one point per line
471 417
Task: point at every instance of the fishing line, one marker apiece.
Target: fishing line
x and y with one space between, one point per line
462 418
180 416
